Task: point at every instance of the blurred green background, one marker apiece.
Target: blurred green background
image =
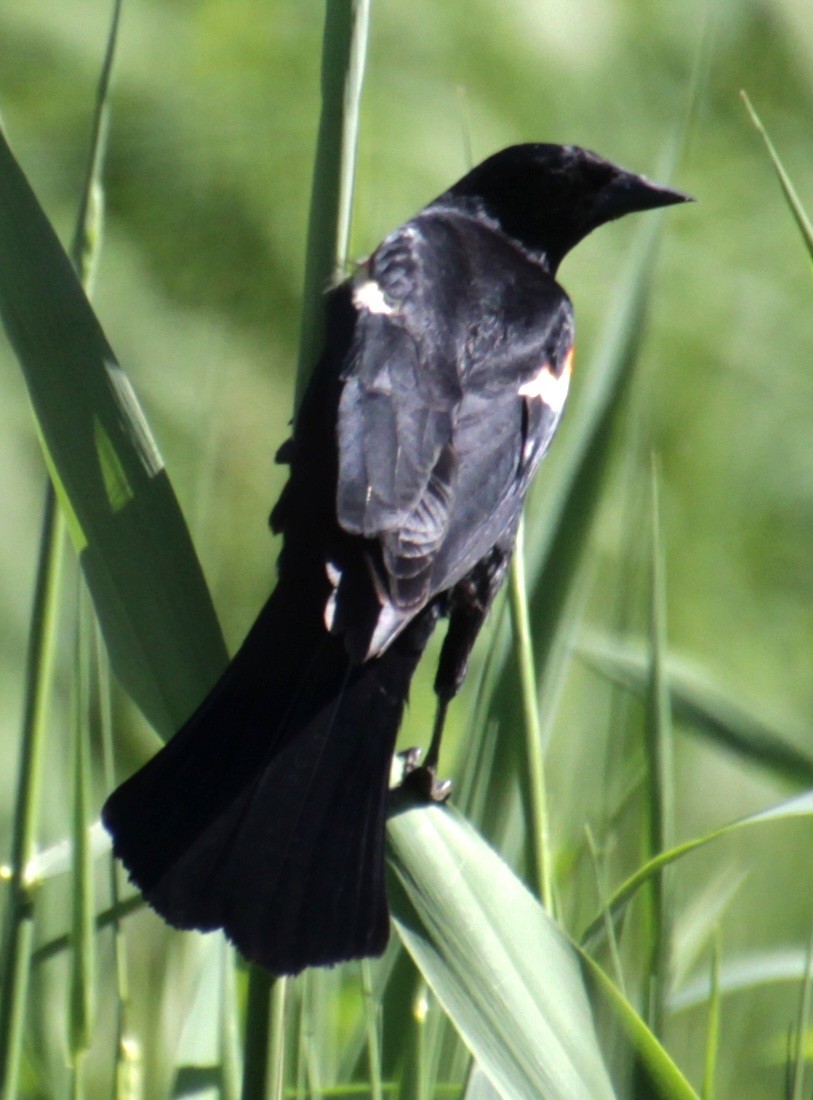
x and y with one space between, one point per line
208 173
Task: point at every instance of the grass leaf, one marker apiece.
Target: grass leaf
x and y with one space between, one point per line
344 50
82 978
713 1026
155 610
19 911
662 1078
660 776
791 197
539 826
800 806
502 970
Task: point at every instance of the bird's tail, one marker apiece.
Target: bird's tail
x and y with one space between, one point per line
265 814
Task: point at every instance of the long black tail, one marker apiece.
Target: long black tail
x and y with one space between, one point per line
265 814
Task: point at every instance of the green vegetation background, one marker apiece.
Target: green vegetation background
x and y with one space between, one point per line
207 183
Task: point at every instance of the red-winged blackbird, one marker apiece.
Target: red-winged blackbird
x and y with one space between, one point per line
444 374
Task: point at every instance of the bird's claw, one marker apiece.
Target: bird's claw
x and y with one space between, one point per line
422 780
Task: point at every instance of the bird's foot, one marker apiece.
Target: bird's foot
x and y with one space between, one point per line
422 779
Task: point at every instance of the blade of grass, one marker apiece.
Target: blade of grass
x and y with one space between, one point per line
503 971
256 1040
229 1040
19 916
709 710
412 1082
658 739
800 806
478 1086
197 1053
371 1016
148 588
82 976
796 1068
127 1075
500 968
312 1007
86 244
106 919
791 197
435 1037
713 1026
276 1085
609 927
661 1077
344 50
540 826
16 959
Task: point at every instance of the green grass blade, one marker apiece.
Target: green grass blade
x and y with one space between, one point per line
128 1084
106 919
373 1024
540 826
501 969
86 244
791 197
256 1040
411 1070
82 976
310 1040
197 1053
229 1041
478 1086
658 725
713 1027
662 1078
796 1068
707 709
800 806
276 1084
344 51
159 623
19 916
609 927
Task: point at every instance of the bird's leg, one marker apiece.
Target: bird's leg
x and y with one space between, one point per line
469 602
433 753
464 625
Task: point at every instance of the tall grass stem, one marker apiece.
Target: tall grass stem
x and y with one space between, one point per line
533 732
18 929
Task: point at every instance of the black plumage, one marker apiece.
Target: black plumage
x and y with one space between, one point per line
444 374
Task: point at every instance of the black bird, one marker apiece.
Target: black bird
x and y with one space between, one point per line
444 375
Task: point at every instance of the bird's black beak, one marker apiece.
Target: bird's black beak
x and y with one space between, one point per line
627 193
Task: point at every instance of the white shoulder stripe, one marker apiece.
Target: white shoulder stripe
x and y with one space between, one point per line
550 388
370 297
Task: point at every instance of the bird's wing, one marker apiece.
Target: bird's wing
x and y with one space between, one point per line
397 467
447 405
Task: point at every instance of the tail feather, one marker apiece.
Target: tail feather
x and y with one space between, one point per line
265 814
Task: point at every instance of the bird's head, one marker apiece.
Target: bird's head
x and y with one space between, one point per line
549 197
